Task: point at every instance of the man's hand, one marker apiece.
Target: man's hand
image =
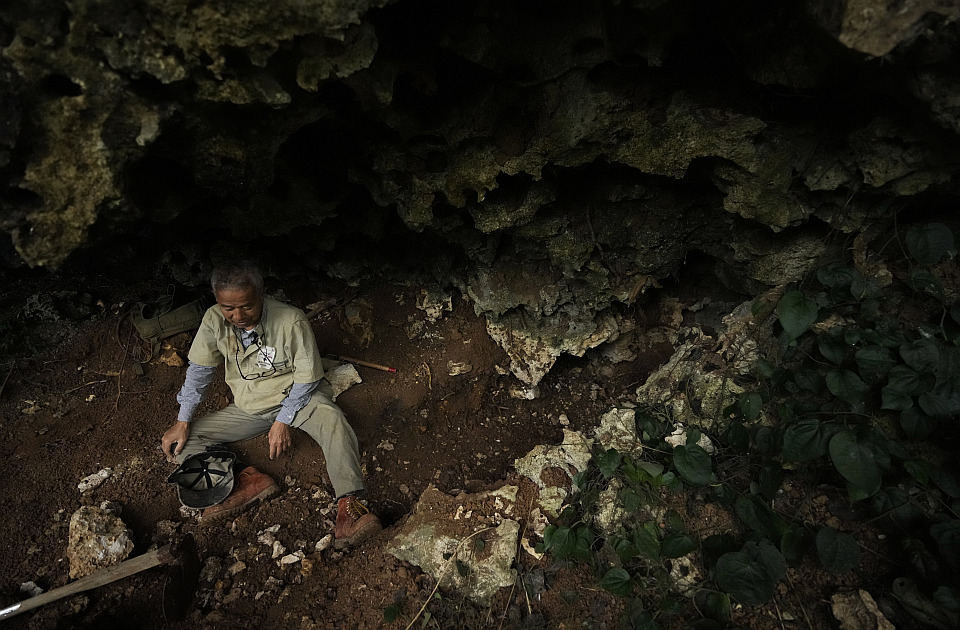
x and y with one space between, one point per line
174 439
280 439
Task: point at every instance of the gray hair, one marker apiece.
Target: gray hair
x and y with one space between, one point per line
238 275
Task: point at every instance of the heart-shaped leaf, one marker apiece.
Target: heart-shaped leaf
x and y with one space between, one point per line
846 386
797 313
928 243
837 551
693 463
861 459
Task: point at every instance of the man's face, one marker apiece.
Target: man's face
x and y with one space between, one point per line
240 307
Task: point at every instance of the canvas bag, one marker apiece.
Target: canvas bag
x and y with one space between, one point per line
162 318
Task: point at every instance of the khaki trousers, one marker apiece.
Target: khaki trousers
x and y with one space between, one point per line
321 419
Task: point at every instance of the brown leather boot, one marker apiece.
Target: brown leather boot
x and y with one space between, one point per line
250 486
355 523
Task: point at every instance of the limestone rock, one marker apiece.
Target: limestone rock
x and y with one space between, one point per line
552 468
858 611
97 539
876 27
468 542
618 429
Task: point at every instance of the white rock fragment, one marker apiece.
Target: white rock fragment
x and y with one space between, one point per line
278 549
236 567
342 378
456 368
90 482
30 589
524 393
385 445
292 558
266 538
434 304
324 543
679 436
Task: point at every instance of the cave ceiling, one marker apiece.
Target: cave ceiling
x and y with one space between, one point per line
552 161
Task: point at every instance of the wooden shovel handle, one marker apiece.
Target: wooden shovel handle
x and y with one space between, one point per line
162 555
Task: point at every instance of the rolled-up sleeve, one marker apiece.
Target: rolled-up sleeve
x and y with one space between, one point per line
195 383
295 401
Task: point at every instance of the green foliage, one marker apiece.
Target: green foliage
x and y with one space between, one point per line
837 551
928 243
751 574
569 542
693 463
797 314
863 400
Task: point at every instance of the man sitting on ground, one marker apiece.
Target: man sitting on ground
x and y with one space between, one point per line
273 368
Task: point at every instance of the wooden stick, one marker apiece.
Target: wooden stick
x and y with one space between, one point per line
163 555
375 366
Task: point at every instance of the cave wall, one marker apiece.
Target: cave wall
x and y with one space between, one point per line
551 160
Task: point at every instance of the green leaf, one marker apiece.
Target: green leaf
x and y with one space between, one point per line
847 386
943 401
923 281
763 369
929 242
564 542
693 463
864 289
894 400
794 544
750 405
804 440
797 313
836 275
632 500
678 545
895 510
608 462
906 380
758 516
875 359
654 469
771 478
750 575
861 459
617 581
922 355
947 536
918 469
937 405
833 348
809 379
916 424
624 548
715 606
837 551
745 581
647 541
947 480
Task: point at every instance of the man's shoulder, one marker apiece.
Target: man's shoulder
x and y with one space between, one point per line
282 310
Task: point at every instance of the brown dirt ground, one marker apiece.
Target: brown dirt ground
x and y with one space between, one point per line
77 406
